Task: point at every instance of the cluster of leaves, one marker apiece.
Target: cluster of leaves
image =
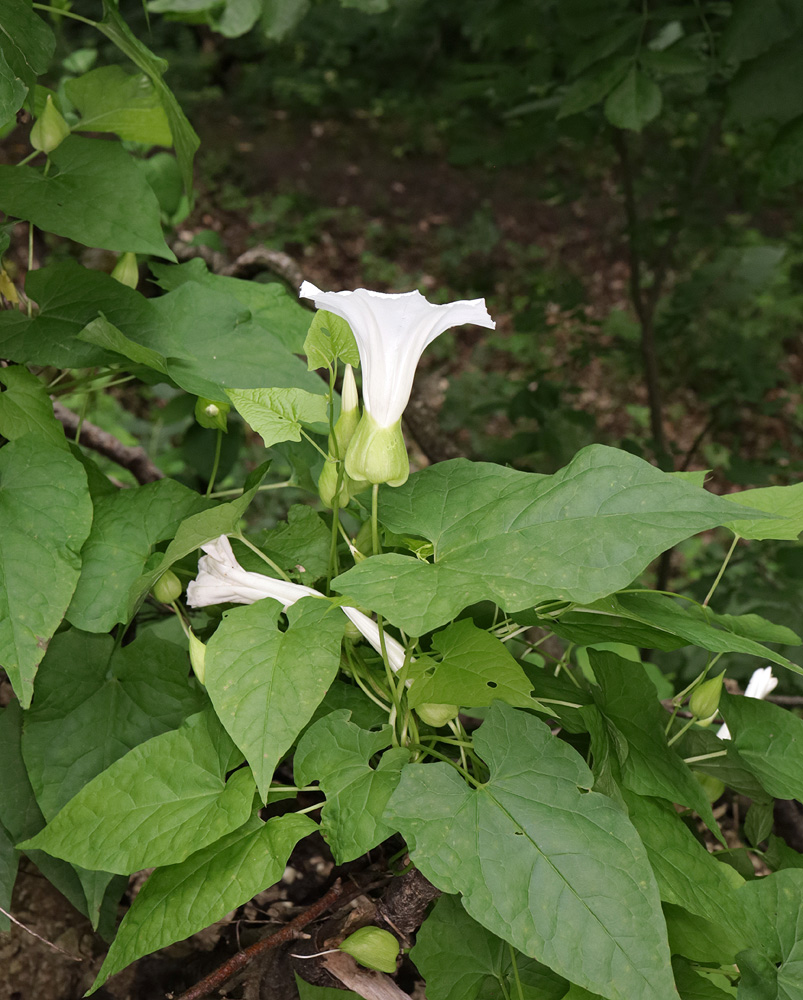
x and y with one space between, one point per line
564 830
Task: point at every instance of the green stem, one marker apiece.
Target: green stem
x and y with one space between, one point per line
447 760
704 756
64 13
375 519
680 732
239 491
216 463
315 445
29 157
30 263
241 538
515 967
722 569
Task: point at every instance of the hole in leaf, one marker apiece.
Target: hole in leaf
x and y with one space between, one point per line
492 684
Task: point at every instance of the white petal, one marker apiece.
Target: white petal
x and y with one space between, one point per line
370 630
761 683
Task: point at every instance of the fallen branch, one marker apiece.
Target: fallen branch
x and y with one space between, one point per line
135 459
55 947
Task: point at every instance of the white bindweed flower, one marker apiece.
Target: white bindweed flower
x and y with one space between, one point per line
759 686
222 580
392 331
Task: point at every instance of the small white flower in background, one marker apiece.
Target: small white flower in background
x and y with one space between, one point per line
392 331
222 580
759 686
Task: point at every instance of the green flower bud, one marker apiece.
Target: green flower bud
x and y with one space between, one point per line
378 454
126 270
327 485
349 419
167 588
197 656
50 129
437 715
373 948
712 786
704 700
212 413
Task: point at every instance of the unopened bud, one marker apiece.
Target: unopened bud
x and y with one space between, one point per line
374 948
197 656
212 413
712 786
50 128
437 715
704 700
126 270
167 588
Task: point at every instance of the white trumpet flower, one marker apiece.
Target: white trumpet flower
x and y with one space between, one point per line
222 580
762 683
392 331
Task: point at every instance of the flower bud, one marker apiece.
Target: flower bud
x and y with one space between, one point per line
212 413
704 700
378 454
167 588
437 715
373 948
712 786
50 128
327 485
126 270
197 656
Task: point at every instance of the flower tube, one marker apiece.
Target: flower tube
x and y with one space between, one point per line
222 580
392 331
759 686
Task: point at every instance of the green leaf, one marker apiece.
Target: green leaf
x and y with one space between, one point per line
627 699
329 338
530 851
783 162
184 898
265 684
270 304
126 526
769 739
158 804
299 545
238 17
758 822
212 343
635 102
46 515
278 414
69 297
476 670
97 197
95 702
776 905
8 875
336 753
784 502
185 140
25 408
26 47
768 88
111 100
461 960
516 538
104 334
695 986
751 30
687 874
306 991
195 531
593 86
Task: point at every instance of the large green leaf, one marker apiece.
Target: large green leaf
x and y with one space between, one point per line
46 514
185 139
590 88
516 538
270 304
773 966
265 684
768 87
96 196
785 503
26 46
184 898
769 739
461 960
278 414
127 524
628 701
111 100
95 702
69 296
634 102
476 670
655 621
158 804
336 753
104 334
329 337
541 861
25 407
300 544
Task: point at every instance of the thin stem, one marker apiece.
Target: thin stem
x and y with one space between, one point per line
680 732
375 519
315 445
705 756
307 809
722 569
30 263
29 157
514 965
215 463
64 13
241 538
555 701
447 760
239 491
